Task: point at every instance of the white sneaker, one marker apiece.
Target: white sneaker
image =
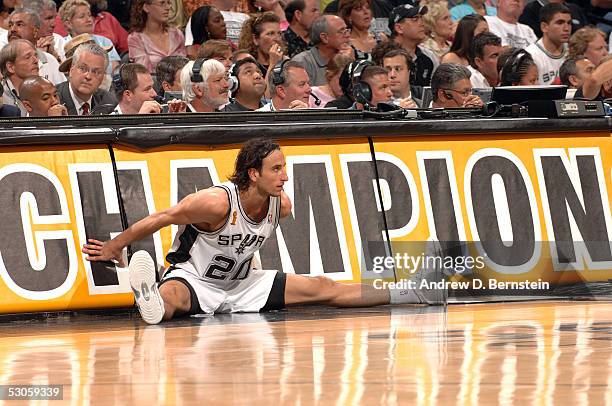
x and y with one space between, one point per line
433 272
142 279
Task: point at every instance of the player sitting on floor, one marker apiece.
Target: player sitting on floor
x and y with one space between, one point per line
210 259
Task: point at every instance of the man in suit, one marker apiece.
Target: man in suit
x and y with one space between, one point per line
81 93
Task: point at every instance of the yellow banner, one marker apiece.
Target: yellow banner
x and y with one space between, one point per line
41 267
550 191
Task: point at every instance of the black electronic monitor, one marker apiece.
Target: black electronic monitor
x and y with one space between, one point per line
522 94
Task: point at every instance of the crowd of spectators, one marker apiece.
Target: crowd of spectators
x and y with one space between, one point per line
83 57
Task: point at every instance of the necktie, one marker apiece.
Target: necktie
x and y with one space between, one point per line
85 109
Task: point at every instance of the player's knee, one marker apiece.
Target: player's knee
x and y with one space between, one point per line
176 295
325 287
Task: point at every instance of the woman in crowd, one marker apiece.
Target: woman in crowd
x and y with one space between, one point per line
77 19
439 27
331 90
517 68
589 42
262 37
467 29
357 15
273 6
6 8
218 49
151 38
206 23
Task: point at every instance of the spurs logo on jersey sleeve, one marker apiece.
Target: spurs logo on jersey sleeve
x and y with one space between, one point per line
237 239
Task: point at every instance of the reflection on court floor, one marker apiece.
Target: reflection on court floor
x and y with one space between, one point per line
508 353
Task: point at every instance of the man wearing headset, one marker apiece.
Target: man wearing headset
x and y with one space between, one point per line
369 85
205 85
451 87
289 87
247 86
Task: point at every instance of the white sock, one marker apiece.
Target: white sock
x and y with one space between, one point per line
399 296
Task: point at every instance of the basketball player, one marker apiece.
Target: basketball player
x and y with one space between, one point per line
220 229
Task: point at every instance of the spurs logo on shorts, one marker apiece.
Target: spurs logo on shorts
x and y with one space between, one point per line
223 257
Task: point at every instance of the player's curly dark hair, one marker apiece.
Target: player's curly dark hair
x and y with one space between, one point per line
251 155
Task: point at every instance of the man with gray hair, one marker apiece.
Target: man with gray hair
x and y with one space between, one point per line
330 36
18 61
573 72
205 86
81 93
289 87
48 40
451 87
25 24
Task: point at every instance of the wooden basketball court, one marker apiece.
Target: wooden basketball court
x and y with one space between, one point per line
505 353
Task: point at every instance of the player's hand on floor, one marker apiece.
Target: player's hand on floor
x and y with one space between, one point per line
103 251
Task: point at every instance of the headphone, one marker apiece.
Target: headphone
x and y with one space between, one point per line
196 76
234 82
278 74
510 71
361 91
412 77
118 82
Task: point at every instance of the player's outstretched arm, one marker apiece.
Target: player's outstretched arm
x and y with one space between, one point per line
206 206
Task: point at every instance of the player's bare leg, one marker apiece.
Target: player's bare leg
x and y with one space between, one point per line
303 290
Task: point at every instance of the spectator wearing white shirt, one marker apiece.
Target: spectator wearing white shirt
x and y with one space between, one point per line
506 26
207 23
399 63
550 51
25 24
48 40
233 21
484 53
289 87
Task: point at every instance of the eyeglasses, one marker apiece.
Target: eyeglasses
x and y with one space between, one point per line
344 32
83 69
463 93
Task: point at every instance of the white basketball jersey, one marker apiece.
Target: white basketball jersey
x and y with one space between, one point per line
223 257
548 65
